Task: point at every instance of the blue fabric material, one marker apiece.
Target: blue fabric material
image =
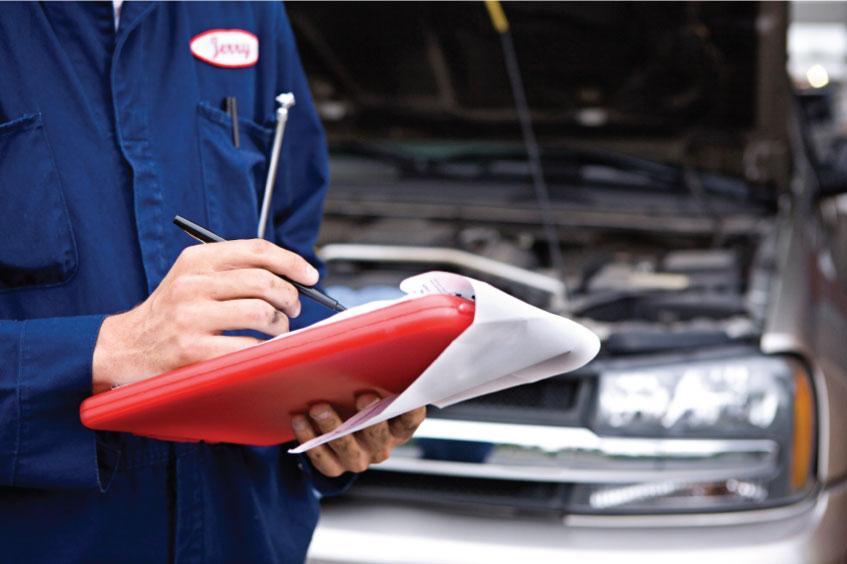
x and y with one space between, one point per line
104 136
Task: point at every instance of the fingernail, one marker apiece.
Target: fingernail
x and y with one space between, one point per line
299 422
312 274
364 401
320 413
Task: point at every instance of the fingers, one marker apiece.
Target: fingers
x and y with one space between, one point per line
376 439
209 289
251 283
357 451
321 457
347 448
251 253
253 314
404 426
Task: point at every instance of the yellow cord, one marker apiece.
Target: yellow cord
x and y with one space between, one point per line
498 17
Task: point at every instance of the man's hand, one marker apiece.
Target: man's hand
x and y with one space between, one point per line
353 453
210 288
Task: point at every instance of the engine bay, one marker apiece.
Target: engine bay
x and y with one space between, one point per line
641 293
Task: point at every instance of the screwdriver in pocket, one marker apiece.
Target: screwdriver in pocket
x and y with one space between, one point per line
285 100
205 236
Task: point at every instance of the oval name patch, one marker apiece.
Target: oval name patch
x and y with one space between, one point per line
227 48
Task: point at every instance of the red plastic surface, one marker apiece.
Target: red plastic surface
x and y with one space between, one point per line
247 397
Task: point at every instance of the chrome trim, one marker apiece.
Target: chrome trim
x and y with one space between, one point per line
811 505
568 439
564 475
446 256
538 453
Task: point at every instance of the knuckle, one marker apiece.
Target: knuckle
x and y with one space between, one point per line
270 313
185 350
183 343
411 425
385 439
359 465
403 439
279 291
343 446
402 428
402 434
282 322
331 472
289 294
182 320
183 286
262 313
292 262
187 254
378 434
318 460
259 246
270 281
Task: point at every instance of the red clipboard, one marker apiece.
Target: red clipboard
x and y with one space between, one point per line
246 397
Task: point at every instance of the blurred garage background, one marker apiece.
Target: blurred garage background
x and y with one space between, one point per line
684 204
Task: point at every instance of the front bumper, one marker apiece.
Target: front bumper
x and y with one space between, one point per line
368 532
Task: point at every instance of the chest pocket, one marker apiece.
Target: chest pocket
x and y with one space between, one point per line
37 246
234 178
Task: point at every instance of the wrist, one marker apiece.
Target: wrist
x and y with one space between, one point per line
105 358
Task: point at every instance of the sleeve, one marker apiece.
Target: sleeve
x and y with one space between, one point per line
303 175
323 485
303 179
44 376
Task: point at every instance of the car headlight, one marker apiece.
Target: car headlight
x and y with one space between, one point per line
752 416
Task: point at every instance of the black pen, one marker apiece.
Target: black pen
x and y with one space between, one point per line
232 110
205 236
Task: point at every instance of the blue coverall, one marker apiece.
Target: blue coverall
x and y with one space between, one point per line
104 136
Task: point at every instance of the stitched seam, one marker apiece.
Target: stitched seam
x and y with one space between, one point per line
205 188
18 403
74 250
22 123
71 254
115 467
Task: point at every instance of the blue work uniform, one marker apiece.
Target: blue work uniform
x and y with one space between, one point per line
105 135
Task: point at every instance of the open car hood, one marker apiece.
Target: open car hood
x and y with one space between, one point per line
701 84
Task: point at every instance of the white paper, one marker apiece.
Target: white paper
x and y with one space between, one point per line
508 343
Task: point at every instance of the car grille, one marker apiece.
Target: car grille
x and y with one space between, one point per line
562 401
516 495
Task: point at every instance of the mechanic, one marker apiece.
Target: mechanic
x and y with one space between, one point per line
107 130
